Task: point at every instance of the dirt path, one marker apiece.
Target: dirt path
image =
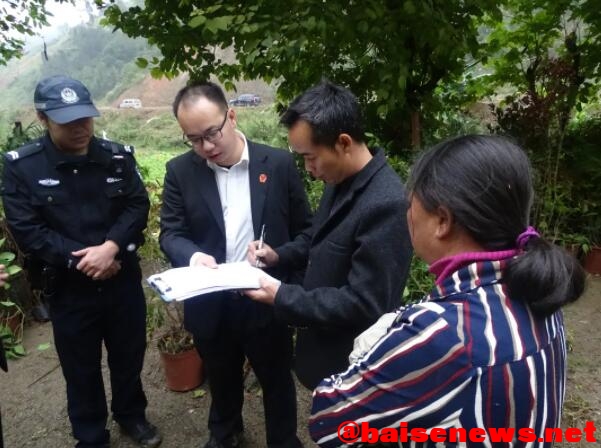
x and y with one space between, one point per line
583 394
32 393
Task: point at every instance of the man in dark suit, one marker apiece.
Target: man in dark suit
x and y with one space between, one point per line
359 251
217 198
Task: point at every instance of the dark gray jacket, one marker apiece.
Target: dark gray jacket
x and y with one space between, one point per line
358 257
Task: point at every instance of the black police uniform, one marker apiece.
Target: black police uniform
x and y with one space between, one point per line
56 203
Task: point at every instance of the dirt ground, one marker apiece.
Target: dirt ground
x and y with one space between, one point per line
34 414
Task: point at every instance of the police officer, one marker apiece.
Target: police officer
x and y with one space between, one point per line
76 204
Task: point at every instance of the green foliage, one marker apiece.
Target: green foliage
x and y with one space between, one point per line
583 171
446 123
13 346
151 249
419 282
261 124
7 260
547 48
392 55
20 136
11 315
103 60
547 52
113 55
145 130
155 313
18 19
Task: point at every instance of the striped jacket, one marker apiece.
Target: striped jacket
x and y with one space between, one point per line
466 357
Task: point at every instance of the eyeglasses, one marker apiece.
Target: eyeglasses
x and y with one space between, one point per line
210 136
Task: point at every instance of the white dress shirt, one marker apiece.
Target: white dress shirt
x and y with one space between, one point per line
234 193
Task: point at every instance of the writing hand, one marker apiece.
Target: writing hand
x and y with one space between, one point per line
266 256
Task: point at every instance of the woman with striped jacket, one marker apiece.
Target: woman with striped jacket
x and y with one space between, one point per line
481 361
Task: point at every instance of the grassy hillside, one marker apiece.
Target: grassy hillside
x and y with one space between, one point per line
103 60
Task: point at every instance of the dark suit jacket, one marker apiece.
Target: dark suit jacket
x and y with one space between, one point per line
192 221
358 261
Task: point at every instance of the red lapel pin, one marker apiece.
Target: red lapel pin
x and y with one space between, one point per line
263 178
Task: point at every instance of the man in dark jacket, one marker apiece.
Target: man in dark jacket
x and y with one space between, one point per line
358 252
218 197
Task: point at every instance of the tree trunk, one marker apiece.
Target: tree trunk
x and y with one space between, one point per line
416 130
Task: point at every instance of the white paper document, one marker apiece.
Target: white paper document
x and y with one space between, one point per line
192 281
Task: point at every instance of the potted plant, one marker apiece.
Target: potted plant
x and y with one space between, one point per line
574 243
592 258
181 362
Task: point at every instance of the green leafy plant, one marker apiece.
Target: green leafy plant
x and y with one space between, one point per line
155 313
11 329
7 259
419 281
12 316
394 78
151 249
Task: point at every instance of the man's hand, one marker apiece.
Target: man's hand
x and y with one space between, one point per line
266 256
111 271
97 261
266 293
202 259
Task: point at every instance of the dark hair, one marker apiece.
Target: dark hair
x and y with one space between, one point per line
208 90
486 184
330 110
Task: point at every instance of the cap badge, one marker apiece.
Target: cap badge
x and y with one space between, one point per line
69 96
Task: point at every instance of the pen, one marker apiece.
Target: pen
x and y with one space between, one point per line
260 246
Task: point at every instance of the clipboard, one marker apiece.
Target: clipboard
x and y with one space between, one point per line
192 281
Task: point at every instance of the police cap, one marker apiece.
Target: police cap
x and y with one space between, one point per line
63 99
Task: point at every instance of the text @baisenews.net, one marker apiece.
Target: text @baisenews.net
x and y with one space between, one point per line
353 432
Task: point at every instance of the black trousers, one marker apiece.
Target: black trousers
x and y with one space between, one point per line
85 314
269 351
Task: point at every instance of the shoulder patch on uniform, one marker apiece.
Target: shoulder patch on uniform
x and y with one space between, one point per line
24 151
115 148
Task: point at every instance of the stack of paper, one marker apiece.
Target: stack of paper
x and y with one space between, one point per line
183 283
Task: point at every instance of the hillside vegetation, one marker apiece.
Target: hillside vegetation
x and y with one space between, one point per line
103 60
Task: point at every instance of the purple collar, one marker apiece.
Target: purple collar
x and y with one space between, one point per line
446 266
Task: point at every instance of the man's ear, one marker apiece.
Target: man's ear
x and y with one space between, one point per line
231 114
42 117
445 222
344 143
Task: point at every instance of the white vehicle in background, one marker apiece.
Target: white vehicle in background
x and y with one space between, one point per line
130 103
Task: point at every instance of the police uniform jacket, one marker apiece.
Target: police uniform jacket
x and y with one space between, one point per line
56 203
